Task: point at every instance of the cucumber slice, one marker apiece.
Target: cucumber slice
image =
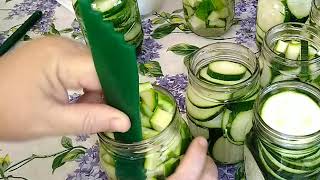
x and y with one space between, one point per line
145 121
225 152
214 15
252 169
282 77
198 130
170 166
135 30
213 123
223 13
226 70
160 119
299 9
312 52
151 161
104 5
149 98
148 133
241 126
225 119
193 3
281 46
293 51
197 23
200 101
145 86
218 4
145 110
165 103
219 23
291 113
270 13
188 10
204 75
202 114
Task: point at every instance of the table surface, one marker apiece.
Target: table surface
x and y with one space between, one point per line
162 61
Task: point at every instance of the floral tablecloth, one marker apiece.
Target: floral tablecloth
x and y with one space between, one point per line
167 43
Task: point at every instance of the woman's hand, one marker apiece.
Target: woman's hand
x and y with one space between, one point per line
196 165
34 79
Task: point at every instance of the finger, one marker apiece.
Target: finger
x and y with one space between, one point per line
89 118
193 163
210 171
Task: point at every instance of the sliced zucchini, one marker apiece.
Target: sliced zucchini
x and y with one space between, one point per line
200 101
226 70
165 103
145 120
135 30
149 98
151 161
270 14
202 114
293 50
197 23
281 46
145 110
198 130
204 75
160 119
241 125
148 133
219 23
145 86
213 123
299 9
227 153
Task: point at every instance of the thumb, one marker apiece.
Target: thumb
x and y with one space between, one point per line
87 118
194 162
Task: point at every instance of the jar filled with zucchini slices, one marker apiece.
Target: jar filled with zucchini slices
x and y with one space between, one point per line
123 14
315 14
274 12
223 85
209 18
165 139
291 51
284 142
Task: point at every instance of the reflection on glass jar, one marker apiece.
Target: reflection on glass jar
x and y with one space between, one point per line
124 15
274 12
315 14
223 85
157 155
291 51
284 142
209 18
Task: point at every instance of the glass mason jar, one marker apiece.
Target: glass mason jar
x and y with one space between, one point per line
277 67
158 156
270 154
222 113
315 14
209 18
124 15
274 12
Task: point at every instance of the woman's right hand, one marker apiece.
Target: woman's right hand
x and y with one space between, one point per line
196 165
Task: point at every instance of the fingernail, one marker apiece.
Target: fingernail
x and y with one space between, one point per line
203 142
120 124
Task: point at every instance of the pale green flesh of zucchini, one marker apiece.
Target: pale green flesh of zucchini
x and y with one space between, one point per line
291 113
226 70
204 75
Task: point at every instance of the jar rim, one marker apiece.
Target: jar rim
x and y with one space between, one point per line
222 46
276 87
288 25
157 138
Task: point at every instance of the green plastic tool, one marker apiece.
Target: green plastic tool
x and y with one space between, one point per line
115 63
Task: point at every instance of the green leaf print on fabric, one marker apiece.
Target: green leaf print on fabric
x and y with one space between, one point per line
66 142
151 69
73 155
163 30
183 49
58 161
